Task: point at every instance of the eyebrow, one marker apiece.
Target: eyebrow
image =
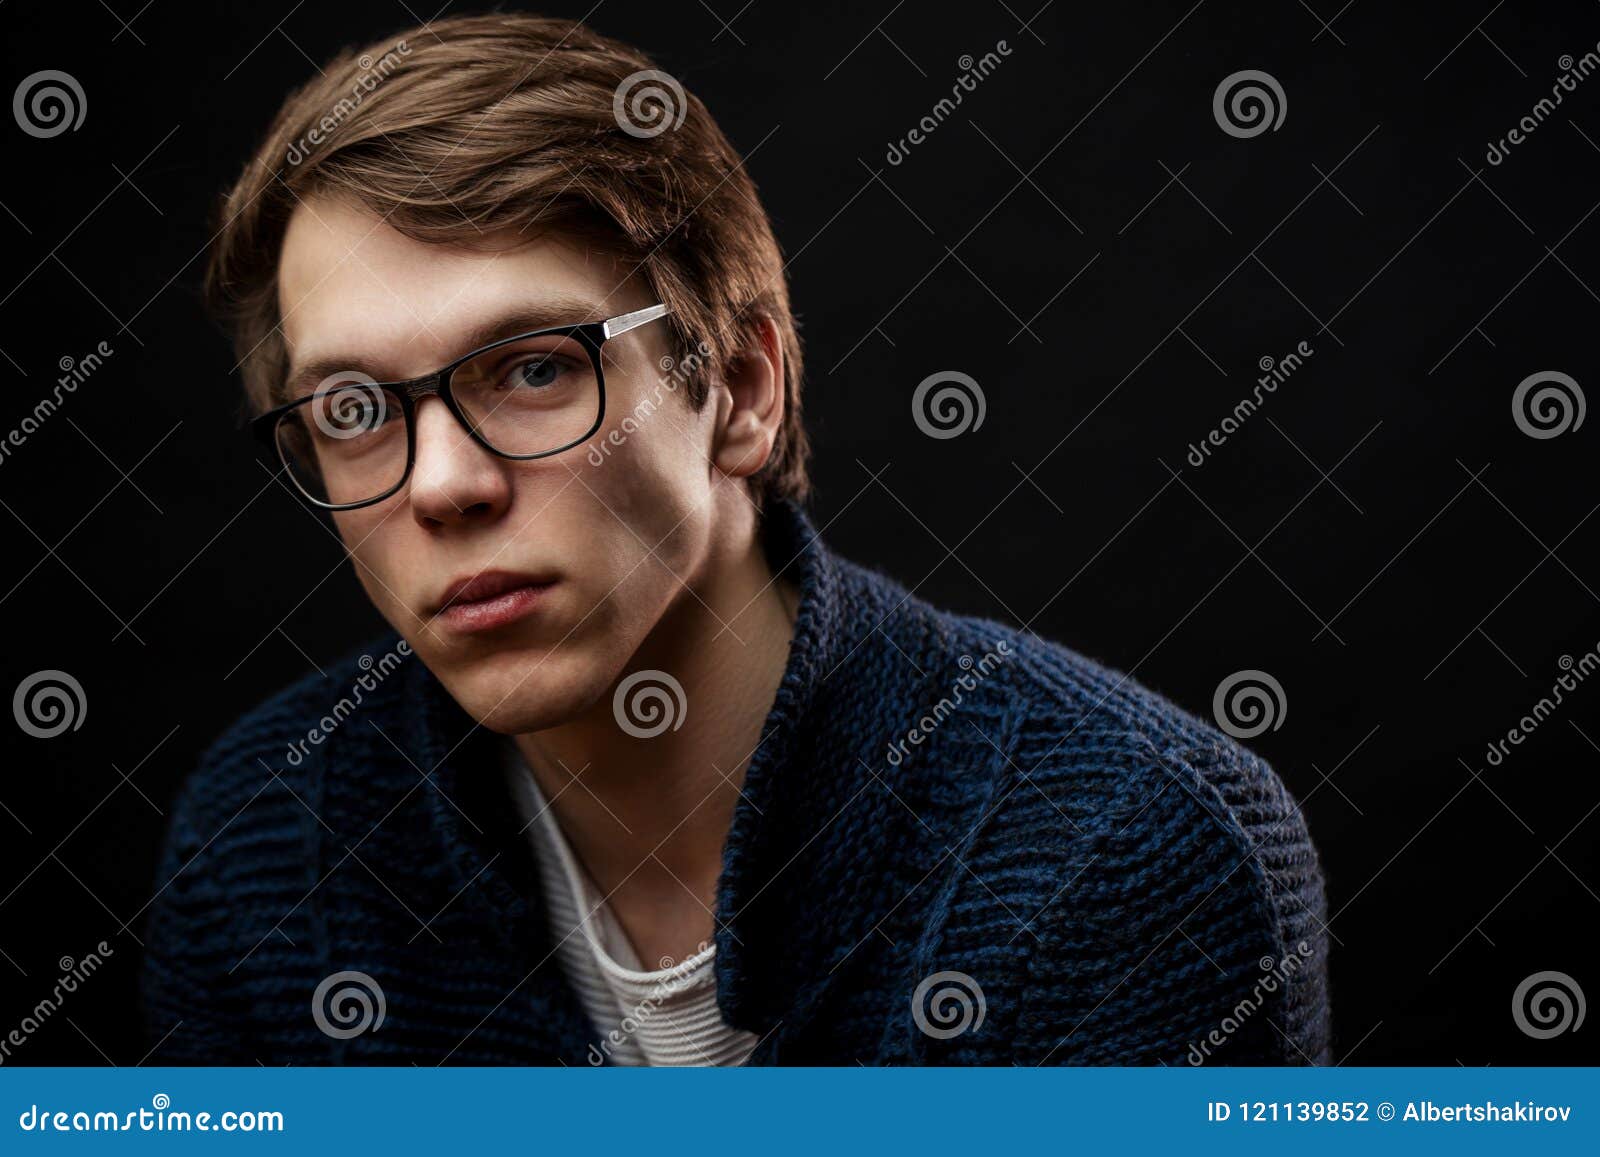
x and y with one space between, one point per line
545 313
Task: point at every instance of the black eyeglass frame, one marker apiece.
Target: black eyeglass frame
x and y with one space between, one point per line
592 335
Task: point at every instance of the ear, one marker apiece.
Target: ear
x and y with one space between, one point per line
753 404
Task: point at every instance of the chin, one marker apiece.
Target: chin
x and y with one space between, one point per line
520 690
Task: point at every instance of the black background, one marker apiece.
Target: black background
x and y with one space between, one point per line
1112 315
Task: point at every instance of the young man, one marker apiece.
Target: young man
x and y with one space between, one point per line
647 775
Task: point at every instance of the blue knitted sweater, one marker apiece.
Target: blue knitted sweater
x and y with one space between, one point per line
939 804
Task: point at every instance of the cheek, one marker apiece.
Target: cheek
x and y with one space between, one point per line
372 538
651 474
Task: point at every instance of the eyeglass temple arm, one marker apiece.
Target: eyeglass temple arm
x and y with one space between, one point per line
621 325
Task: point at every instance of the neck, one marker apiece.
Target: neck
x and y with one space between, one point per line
647 817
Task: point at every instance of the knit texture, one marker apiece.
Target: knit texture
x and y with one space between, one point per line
933 794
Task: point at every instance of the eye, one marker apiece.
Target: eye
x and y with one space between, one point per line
537 372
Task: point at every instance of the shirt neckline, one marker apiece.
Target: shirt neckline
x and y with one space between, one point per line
607 940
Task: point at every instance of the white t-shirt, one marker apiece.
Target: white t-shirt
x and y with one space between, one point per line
667 1015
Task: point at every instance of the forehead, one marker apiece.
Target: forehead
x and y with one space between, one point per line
351 285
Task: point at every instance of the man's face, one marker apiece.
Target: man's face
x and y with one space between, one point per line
583 552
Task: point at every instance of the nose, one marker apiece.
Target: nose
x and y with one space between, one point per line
454 481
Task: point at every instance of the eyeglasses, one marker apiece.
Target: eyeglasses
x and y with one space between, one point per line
352 441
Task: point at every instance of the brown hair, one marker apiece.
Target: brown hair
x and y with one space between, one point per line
475 124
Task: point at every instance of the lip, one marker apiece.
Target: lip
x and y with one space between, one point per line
483 602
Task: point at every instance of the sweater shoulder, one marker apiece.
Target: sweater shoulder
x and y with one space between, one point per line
236 858
244 803
1066 709
1125 840
281 733
1092 740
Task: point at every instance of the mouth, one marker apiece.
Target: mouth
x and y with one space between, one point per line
493 599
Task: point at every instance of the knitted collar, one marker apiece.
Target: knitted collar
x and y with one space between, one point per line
785 920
